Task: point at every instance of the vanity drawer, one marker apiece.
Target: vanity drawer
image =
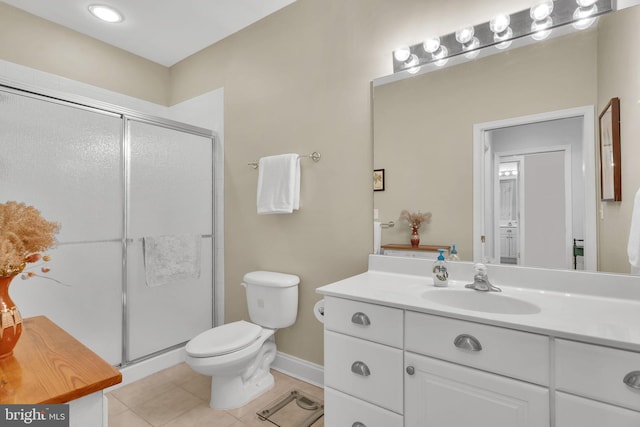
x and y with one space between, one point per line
343 410
597 372
572 411
363 320
363 369
515 354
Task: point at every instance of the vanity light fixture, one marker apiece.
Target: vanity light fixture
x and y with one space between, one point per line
438 52
536 22
106 13
542 22
502 32
469 42
431 45
402 53
585 14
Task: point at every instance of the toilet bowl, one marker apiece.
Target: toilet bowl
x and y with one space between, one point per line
239 374
238 355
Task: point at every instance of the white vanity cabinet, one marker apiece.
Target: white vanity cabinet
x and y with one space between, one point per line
509 242
456 357
441 393
363 370
597 386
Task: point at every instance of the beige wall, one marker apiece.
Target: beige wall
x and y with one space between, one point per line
36 43
299 80
423 128
616 31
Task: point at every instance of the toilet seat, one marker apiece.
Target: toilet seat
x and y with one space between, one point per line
224 339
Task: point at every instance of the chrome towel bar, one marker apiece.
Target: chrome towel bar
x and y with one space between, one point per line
315 156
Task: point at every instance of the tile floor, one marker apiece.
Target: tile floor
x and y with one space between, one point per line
179 397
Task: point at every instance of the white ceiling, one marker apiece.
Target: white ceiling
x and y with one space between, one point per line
163 31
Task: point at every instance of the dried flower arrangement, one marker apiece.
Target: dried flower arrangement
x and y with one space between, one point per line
415 220
24 234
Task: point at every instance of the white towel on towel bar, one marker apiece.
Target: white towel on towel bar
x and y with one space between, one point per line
633 246
172 258
278 184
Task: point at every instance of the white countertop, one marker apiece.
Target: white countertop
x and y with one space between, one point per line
588 317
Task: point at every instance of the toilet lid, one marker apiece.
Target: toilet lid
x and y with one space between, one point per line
223 339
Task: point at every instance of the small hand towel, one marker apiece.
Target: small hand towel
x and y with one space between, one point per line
172 258
278 184
633 247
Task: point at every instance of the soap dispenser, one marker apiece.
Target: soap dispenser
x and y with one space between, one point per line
440 271
453 255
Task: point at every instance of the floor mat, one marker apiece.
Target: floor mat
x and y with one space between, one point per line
294 409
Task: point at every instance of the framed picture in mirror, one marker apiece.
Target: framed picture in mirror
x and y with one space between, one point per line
378 180
610 174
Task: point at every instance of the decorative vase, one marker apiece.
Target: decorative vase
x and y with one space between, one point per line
415 237
10 319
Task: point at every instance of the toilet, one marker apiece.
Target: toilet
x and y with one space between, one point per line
238 355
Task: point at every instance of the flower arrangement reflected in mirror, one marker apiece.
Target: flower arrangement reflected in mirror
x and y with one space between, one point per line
415 220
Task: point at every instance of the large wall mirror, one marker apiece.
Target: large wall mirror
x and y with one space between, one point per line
504 147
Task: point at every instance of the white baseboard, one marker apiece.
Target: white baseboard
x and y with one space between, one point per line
299 368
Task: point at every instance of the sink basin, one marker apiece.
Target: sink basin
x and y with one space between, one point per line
487 302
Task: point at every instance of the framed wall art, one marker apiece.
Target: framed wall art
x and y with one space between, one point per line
610 173
378 180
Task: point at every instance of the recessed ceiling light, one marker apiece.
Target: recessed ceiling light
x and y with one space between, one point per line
106 13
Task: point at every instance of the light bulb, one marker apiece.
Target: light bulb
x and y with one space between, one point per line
539 29
441 53
412 61
431 45
499 23
471 47
541 10
441 56
504 38
465 35
402 53
413 70
584 17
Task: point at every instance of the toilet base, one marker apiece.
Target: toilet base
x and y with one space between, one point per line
232 392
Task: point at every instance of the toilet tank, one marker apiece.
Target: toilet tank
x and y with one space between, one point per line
272 298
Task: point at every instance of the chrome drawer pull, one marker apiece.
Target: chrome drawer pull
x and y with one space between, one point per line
467 342
358 424
360 368
411 370
360 318
632 379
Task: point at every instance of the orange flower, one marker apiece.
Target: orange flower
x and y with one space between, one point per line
32 258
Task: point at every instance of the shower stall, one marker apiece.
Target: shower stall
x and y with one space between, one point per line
115 180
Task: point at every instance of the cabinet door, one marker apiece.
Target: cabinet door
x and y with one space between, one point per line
441 394
574 411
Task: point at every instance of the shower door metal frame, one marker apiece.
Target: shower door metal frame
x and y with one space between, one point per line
126 114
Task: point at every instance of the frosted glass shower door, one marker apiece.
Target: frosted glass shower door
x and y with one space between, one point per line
170 195
65 160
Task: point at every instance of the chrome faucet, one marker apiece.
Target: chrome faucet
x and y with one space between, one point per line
481 280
